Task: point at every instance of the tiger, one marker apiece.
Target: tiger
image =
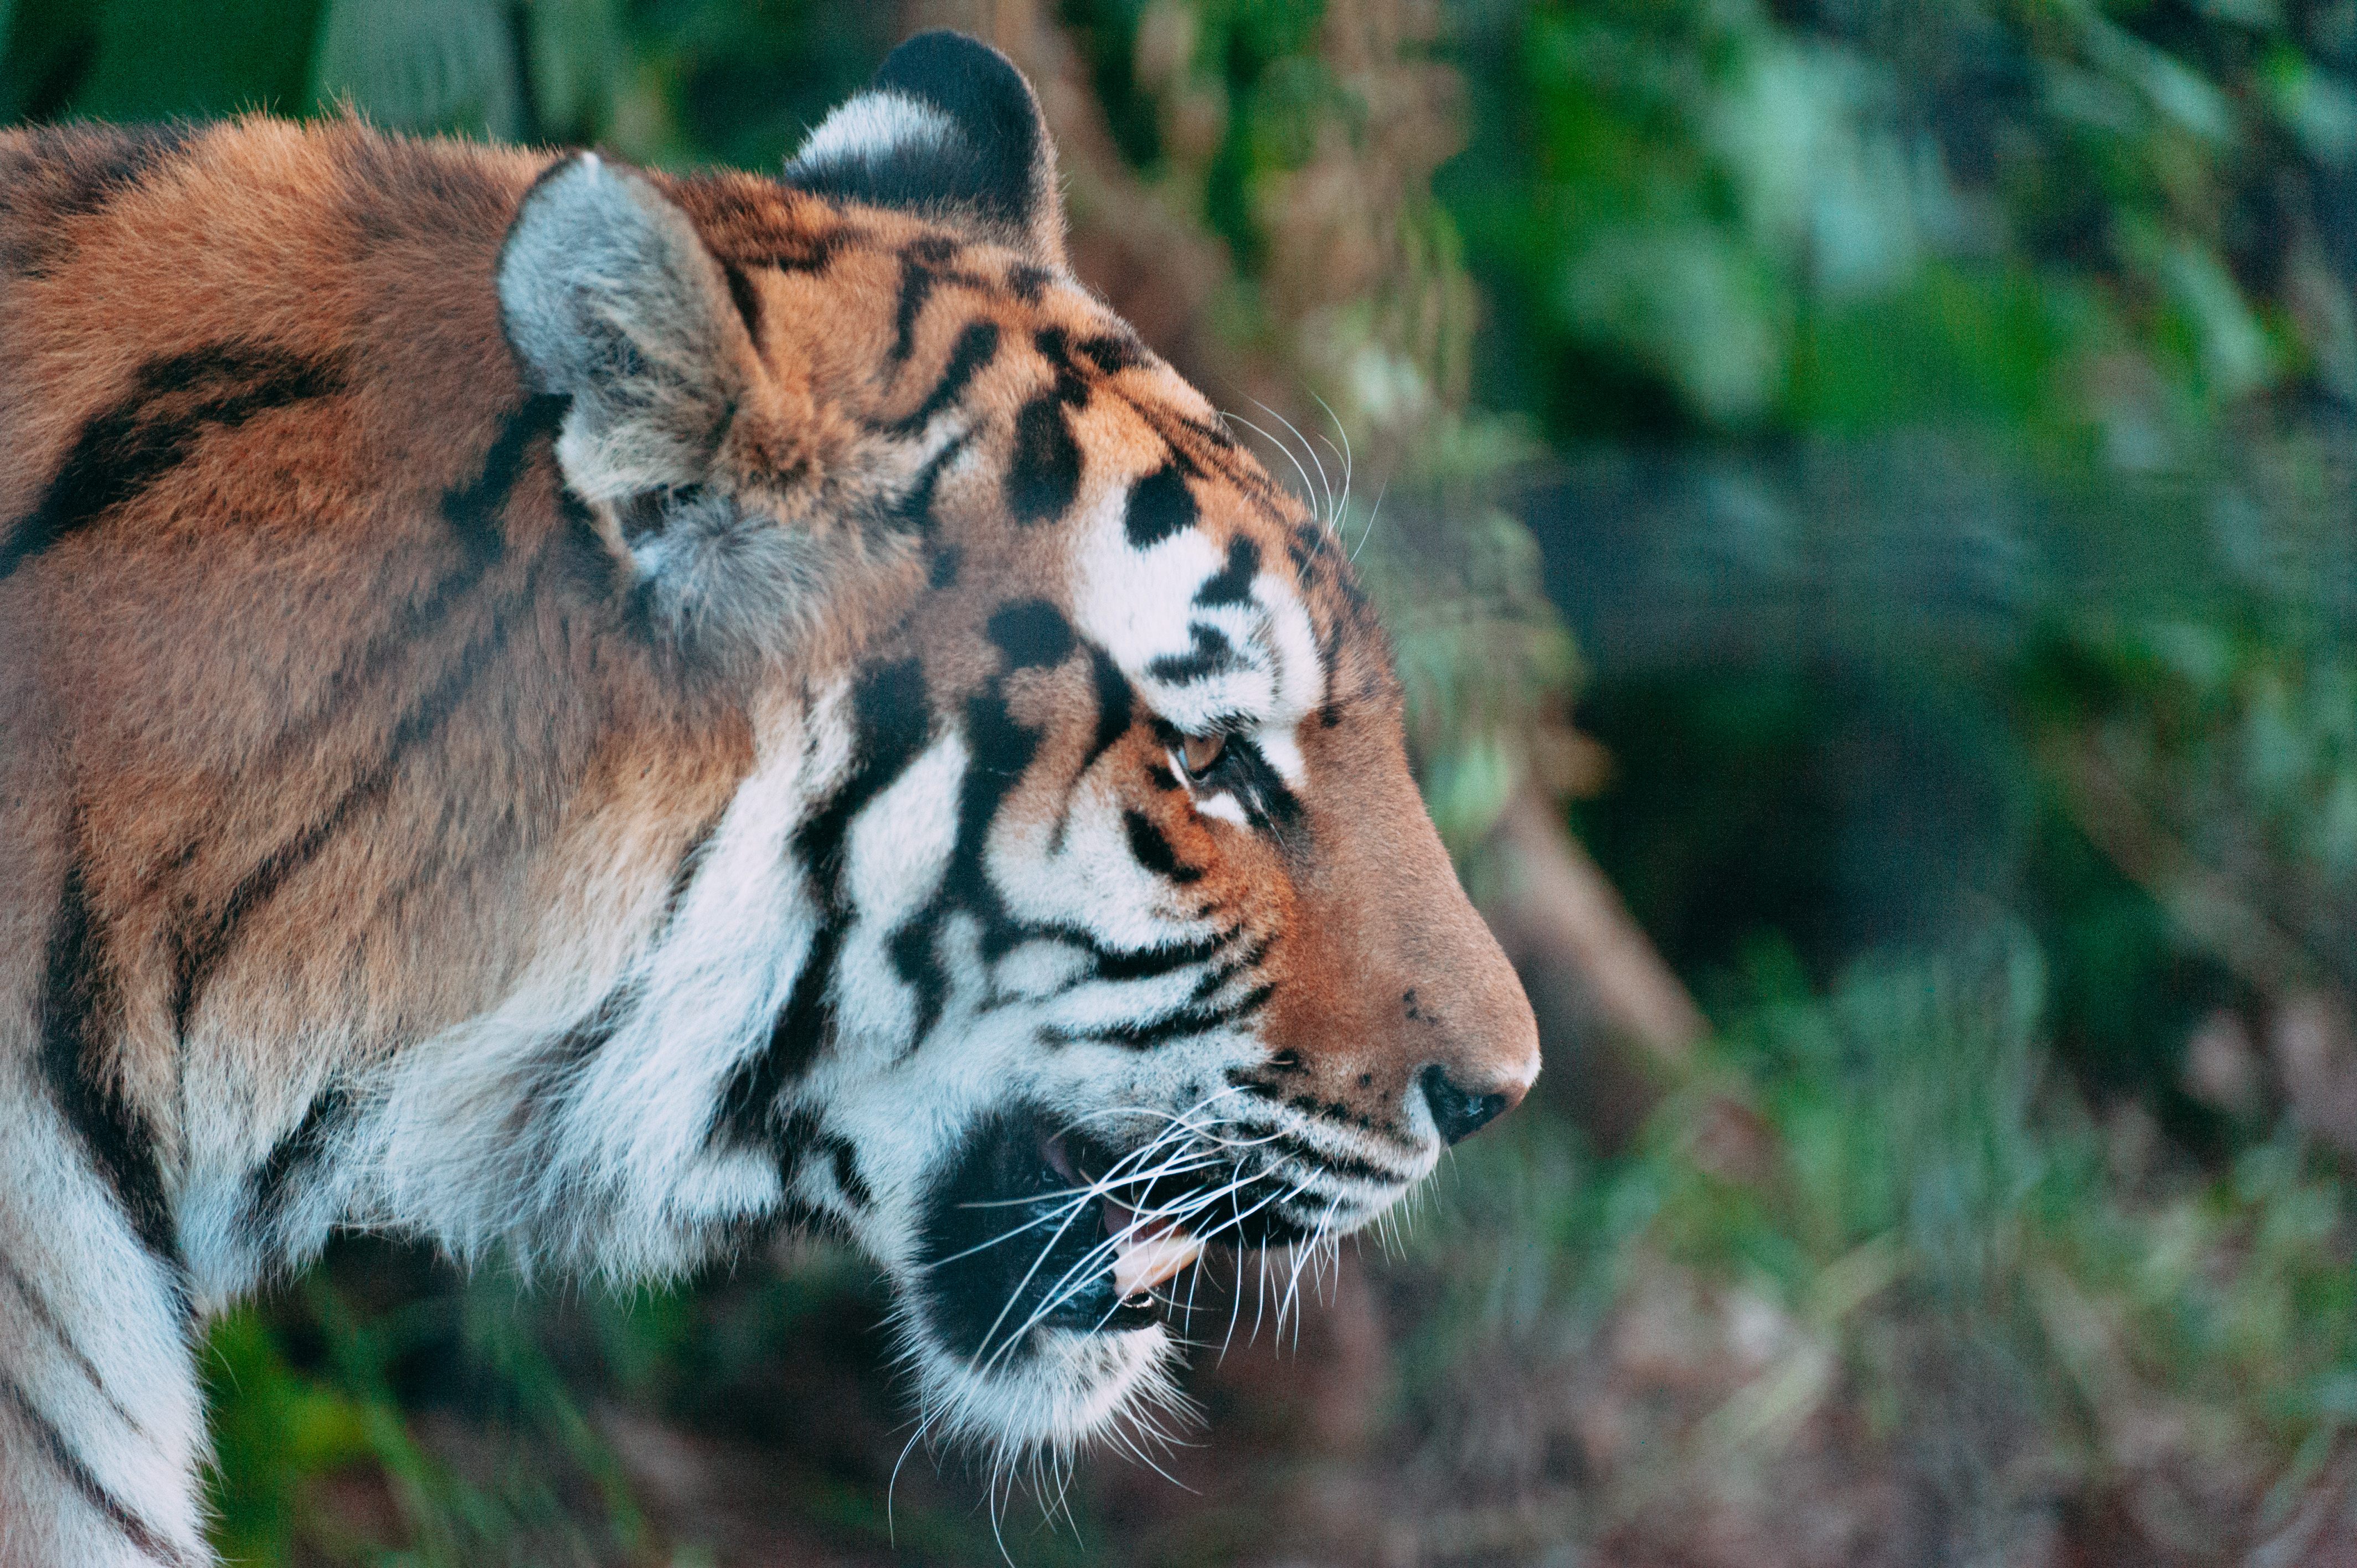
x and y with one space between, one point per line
600 717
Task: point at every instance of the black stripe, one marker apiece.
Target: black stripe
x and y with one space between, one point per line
1311 1155
271 1188
1261 789
917 279
847 1179
1055 346
557 1074
892 723
1112 351
1179 1023
795 1138
976 347
93 1491
1114 964
800 1029
917 963
1032 633
815 253
1044 473
1027 282
1219 975
200 951
890 716
1000 751
683 876
1211 654
1232 584
1151 849
93 183
1337 1113
61 173
1116 706
1148 963
1116 710
1159 506
765 235
475 513
746 298
153 429
914 512
77 1005
38 1306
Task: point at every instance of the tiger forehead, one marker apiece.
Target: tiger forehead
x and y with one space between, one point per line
941 286
953 313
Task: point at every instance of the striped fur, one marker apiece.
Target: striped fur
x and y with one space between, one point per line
600 732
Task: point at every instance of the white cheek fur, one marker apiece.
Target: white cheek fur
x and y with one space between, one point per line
1140 606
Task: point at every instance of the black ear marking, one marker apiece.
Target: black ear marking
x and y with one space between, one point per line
949 129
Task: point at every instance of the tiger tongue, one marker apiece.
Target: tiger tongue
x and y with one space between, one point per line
1145 1254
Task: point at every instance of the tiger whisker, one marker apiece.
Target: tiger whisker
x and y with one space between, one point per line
1308 491
1073 1212
1369 531
1082 1271
1345 456
1324 485
893 1480
1078 1196
1086 1267
1070 1211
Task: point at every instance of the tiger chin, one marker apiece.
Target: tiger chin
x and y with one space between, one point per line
593 715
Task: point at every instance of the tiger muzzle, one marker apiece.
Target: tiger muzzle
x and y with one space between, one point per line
1034 1226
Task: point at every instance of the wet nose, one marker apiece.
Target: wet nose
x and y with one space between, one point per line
1458 1111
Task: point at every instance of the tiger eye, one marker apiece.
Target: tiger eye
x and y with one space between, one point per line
1201 752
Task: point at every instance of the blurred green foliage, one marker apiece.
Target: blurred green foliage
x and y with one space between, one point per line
1844 216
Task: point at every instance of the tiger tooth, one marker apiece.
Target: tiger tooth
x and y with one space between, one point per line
1141 1261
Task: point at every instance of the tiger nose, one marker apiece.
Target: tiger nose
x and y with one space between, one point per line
1458 1111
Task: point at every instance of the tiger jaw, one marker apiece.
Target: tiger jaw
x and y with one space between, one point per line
1050 1265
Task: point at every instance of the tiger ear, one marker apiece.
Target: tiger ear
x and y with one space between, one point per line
951 131
611 299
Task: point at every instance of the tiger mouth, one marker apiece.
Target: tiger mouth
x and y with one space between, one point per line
1037 1229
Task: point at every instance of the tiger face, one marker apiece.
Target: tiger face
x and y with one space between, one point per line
1124 930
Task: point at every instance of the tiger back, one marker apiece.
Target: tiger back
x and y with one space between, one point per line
556 708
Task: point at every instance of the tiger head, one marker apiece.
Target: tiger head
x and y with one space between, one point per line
1115 926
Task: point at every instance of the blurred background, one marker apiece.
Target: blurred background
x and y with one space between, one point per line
1863 493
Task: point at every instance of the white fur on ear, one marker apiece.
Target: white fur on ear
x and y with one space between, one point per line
877 125
611 299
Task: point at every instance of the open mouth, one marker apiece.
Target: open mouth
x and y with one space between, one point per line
1036 1228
